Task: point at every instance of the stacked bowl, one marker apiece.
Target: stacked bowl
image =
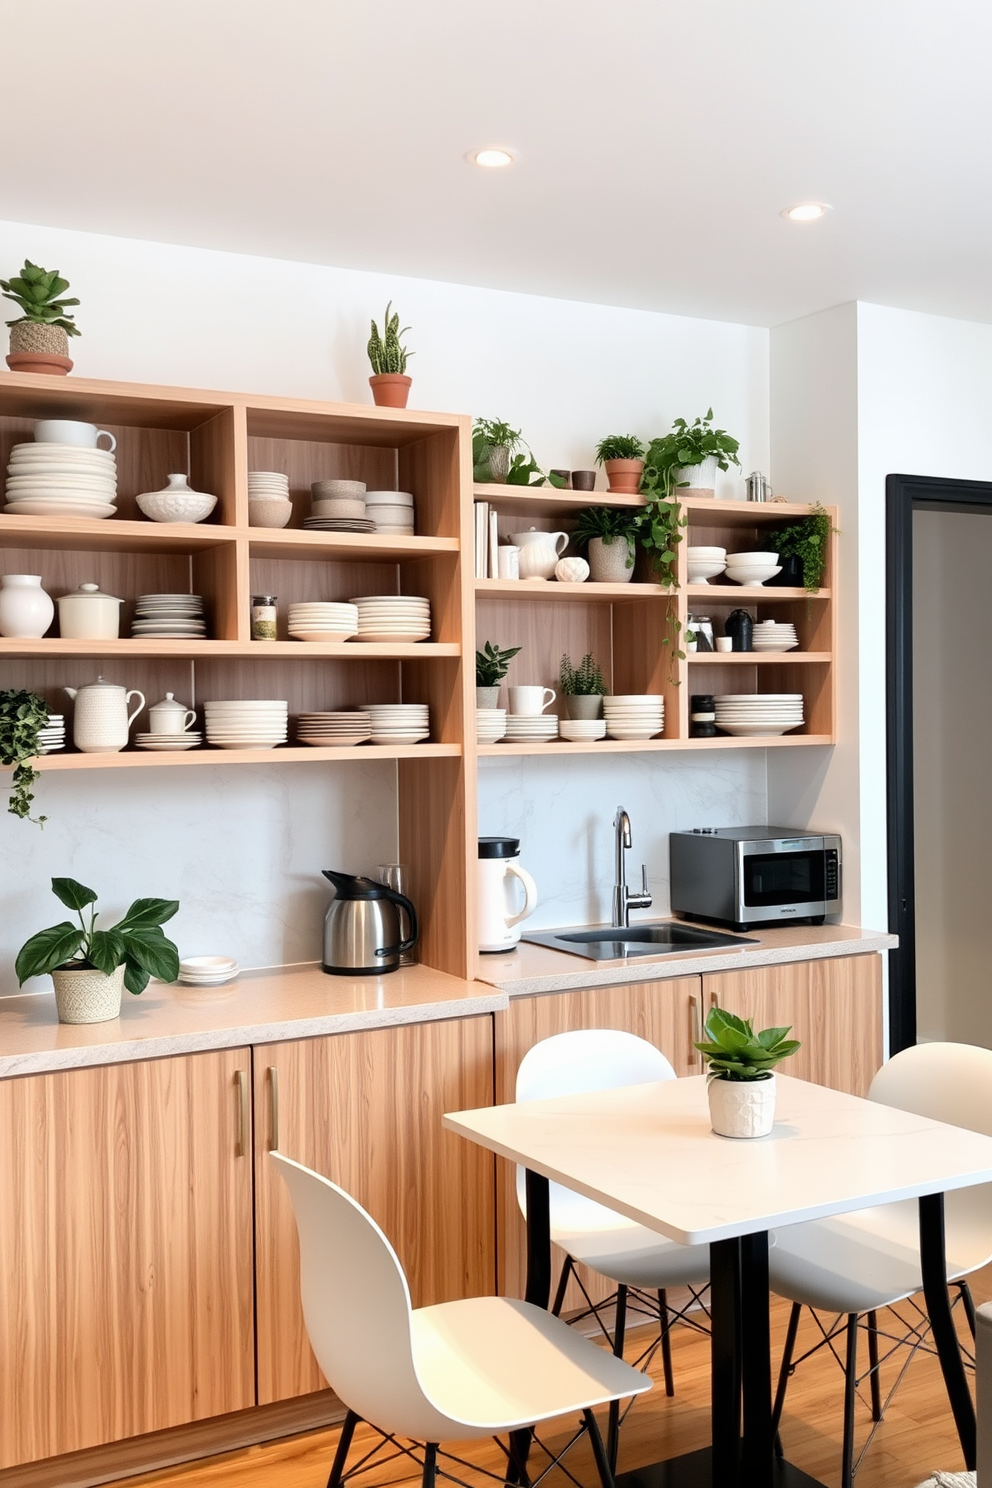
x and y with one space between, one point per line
52 736
399 723
752 568
324 730
61 480
319 621
749 715
634 715
774 635
176 617
391 511
255 723
582 730
393 617
531 729
208 971
338 506
490 725
268 499
705 563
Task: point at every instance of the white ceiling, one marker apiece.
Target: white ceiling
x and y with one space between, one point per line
657 142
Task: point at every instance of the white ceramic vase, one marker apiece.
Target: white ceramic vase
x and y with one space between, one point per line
742 1108
87 996
608 561
701 478
25 608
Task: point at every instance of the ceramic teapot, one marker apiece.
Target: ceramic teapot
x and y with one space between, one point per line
101 721
539 552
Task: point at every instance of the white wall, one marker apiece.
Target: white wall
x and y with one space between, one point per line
243 848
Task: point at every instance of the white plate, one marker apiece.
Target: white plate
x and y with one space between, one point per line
397 738
757 730
321 635
567 729
60 508
333 743
395 636
632 733
246 743
165 744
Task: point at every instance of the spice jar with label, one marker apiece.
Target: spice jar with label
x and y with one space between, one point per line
263 617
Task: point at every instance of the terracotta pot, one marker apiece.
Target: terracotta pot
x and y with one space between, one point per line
624 476
583 705
87 996
742 1108
608 561
39 348
390 389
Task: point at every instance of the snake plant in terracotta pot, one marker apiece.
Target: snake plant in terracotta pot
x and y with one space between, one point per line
741 1079
389 383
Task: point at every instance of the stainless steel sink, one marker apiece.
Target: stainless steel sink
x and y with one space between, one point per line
653 938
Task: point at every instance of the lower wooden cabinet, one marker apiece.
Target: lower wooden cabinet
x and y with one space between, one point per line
126 1286
365 1110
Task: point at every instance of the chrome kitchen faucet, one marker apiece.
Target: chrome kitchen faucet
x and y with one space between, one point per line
623 900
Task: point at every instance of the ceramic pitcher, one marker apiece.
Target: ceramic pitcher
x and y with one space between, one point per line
101 720
539 552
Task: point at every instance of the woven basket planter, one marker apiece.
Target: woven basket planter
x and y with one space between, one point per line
38 348
87 996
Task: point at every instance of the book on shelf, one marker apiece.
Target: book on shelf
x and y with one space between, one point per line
493 543
481 539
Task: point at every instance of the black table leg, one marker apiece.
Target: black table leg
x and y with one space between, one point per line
725 1349
756 1365
942 1323
538 1240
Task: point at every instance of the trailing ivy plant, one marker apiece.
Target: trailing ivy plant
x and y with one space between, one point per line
584 680
22 716
386 351
137 942
38 293
491 664
619 447
808 540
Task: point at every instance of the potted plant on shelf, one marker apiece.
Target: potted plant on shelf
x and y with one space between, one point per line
501 455
690 455
39 339
88 966
802 550
22 717
609 533
388 356
582 687
622 457
490 668
740 1073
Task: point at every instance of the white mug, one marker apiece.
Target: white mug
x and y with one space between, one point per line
508 561
530 702
68 431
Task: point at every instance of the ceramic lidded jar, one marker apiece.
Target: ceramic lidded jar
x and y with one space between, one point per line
88 615
170 716
25 609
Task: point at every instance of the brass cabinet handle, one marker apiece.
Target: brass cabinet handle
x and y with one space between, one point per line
714 999
273 1109
241 1147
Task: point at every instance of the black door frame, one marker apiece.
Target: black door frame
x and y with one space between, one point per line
903 495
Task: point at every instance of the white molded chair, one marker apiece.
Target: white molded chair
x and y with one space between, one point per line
626 1253
450 1372
857 1263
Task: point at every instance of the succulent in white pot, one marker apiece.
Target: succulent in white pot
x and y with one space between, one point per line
740 1081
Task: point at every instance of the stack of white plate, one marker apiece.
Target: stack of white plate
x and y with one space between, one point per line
208 971
752 568
325 729
490 724
705 563
61 480
271 483
391 511
319 621
255 723
634 715
393 617
582 730
178 616
751 714
530 729
52 736
773 635
399 723
190 739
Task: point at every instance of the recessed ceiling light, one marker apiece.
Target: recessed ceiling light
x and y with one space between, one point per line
491 159
806 212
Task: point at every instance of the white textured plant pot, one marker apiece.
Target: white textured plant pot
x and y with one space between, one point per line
584 705
608 561
87 996
742 1108
487 697
700 478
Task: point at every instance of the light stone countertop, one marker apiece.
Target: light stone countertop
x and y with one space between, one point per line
261 1007
535 968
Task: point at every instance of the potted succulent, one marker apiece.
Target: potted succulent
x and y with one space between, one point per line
89 966
39 339
740 1079
490 668
582 687
609 533
622 457
388 356
22 717
802 550
690 455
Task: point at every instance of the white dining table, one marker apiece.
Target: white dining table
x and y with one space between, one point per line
648 1151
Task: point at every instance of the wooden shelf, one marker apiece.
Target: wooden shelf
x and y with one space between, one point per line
551 589
532 498
91 535
756 658
288 542
707 511
256 650
648 746
293 753
731 593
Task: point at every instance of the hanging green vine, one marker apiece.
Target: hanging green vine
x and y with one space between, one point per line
22 715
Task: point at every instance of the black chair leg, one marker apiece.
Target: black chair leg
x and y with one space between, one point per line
429 1477
969 1306
850 1381
619 1335
666 1342
783 1374
566 1272
598 1451
876 1383
516 1472
344 1447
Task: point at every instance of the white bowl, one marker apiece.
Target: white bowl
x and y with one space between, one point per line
176 506
753 576
389 498
701 552
338 490
751 560
578 730
700 571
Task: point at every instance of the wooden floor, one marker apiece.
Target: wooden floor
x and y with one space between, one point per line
916 1436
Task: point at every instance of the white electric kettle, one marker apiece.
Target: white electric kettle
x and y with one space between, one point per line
498 868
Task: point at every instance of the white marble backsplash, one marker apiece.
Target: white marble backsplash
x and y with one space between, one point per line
562 810
241 849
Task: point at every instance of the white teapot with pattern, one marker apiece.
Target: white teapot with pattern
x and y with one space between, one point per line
100 720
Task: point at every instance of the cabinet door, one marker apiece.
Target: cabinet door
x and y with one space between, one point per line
666 1013
365 1110
126 1299
834 1006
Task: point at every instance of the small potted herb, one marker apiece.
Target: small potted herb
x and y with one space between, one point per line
609 533
490 668
622 457
582 687
802 550
22 717
740 1079
88 966
690 455
39 339
501 455
388 356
